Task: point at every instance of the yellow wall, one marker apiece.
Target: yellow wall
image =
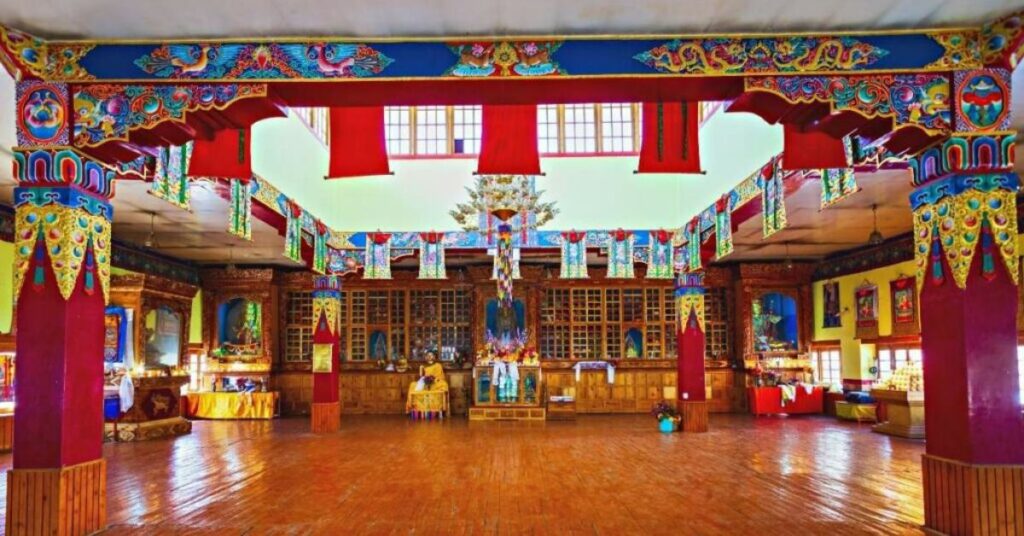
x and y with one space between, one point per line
6 286
858 358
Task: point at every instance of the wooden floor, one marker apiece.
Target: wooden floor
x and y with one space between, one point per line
599 475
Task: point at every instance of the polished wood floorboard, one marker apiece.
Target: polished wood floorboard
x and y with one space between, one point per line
608 475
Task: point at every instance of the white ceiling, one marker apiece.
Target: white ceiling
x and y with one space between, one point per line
250 18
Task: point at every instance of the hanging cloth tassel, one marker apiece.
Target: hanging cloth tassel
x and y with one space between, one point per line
240 215
378 256
358 145
432 256
620 254
170 175
660 256
226 156
293 232
504 260
574 255
723 227
323 234
670 141
773 199
693 260
837 184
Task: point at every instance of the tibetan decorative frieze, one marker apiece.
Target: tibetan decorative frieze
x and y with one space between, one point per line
788 54
231 61
965 151
955 216
26 56
54 166
505 58
690 299
105 112
921 100
893 251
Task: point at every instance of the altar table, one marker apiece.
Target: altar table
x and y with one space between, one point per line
768 401
224 405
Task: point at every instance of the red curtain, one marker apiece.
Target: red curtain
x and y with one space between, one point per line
226 156
508 143
358 147
811 150
670 141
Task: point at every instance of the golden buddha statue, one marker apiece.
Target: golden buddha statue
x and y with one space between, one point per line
428 396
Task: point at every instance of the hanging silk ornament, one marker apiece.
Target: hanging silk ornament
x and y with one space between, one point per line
574 255
320 247
659 256
240 216
723 227
692 235
513 255
773 199
837 184
504 260
170 175
293 232
620 254
432 256
378 256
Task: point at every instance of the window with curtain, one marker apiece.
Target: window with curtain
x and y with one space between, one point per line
466 129
617 128
580 128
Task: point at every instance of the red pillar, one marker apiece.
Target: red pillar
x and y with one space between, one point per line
62 268
691 399
965 227
326 408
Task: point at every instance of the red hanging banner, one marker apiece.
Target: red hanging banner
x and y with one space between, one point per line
811 150
670 141
358 146
508 143
226 156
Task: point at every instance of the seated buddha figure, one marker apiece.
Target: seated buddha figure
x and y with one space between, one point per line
428 395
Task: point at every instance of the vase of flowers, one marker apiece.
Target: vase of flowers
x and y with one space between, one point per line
667 415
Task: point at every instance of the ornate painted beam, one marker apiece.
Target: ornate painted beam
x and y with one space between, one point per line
1002 41
341 59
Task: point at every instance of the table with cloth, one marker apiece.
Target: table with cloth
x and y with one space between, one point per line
800 399
225 405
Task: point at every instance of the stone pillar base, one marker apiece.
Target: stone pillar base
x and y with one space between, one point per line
325 417
695 415
66 501
963 498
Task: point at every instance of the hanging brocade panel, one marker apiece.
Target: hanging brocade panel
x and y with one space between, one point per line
723 227
293 233
773 200
837 184
574 255
620 254
432 256
378 256
320 238
170 175
240 216
660 256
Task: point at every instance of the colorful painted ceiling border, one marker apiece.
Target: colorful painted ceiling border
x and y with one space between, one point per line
339 59
893 251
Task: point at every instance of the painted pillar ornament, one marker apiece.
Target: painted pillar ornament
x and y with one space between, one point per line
432 256
692 236
504 274
320 238
691 392
378 256
723 226
620 254
170 175
326 408
837 184
660 257
293 231
240 216
574 255
773 198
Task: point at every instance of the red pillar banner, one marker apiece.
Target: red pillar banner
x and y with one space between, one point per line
358 143
226 156
508 143
691 391
670 138
326 409
811 150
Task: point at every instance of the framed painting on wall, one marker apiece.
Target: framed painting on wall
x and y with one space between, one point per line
904 306
832 311
866 298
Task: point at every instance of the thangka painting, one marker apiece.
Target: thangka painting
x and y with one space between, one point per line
833 311
904 306
866 298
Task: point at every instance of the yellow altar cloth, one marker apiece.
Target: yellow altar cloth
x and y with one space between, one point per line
429 400
856 412
230 405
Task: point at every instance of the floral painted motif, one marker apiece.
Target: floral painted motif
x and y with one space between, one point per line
31 57
792 54
922 100
505 58
263 61
690 299
42 110
327 301
983 100
1002 41
105 112
960 51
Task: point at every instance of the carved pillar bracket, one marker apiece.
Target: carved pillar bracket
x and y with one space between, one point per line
326 408
691 391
